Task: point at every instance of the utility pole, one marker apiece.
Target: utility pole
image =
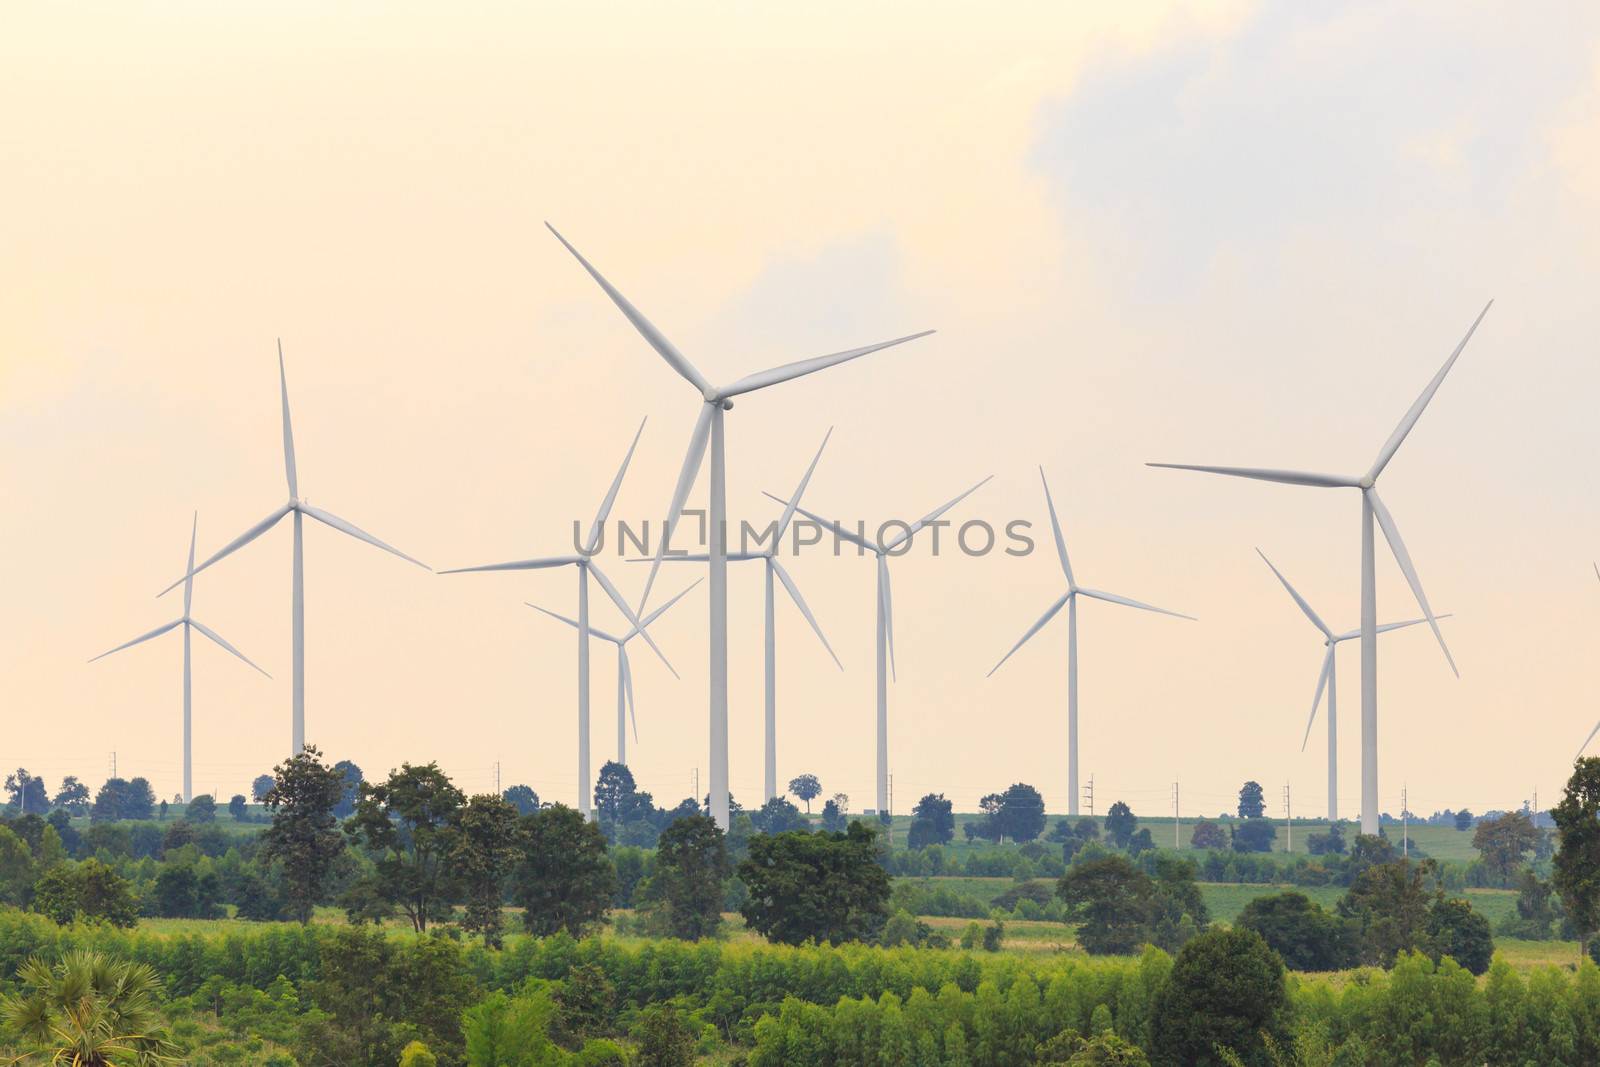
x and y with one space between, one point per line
1535 807
113 764
1288 821
1088 795
888 815
697 783
1175 816
1405 826
496 777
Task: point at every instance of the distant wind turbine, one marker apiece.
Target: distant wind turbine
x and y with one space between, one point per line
1371 508
1069 600
769 556
1329 678
297 611
188 622
708 429
586 567
1596 729
885 606
625 705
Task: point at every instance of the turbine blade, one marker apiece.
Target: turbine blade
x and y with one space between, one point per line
627 689
627 612
539 564
1316 701
1586 740
911 531
188 577
216 637
1316 620
598 528
1112 598
888 612
1049 613
794 502
327 518
658 612
1386 627
658 341
696 454
1264 474
1391 533
1392 445
288 430
157 632
800 602
1055 526
827 524
789 371
232 546
594 631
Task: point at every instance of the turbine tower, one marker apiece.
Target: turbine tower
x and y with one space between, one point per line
883 549
625 705
769 556
1329 678
1069 600
1596 729
586 568
297 610
708 429
188 622
1372 508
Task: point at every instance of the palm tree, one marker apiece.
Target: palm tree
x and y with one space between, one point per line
89 1010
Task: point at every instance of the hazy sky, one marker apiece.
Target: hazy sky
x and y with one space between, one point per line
1219 235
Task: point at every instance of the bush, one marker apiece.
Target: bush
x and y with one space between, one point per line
1299 930
416 1054
1226 991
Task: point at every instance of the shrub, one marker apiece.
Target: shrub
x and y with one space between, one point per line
1226 991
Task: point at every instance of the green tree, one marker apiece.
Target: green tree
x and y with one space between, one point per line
1226 991
691 865
1120 824
352 777
1021 813
89 890
407 823
303 837
834 817
807 787
88 1010
1254 835
202 808
1504 842
1577 861
822 886
615 797
238 807
484 851
1252 801
1463 819
563 879
1388 905
778 816
417 1054
72 797
1298 929
663 1038
933 821
1208 835
16 868
502 1031
1455 930
1113 901
260 786
28 795
523 798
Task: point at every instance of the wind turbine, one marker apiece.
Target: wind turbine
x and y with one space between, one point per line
1596 729
625 705
1069 600
1372 508
188 622
1329 678
769 556
883 549
708 429
297 610
586 567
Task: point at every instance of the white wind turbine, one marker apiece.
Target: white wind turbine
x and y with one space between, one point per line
625 705
882 549
1069 600
1329 679
708 429
188 622
1596 729
586 568
769 556
1372 508
297 611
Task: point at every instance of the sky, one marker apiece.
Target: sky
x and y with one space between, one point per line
1238 234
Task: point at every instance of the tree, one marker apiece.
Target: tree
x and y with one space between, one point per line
1463 819
1252 801
615 797
1577 860
778 816
1297 928
28 794
563 879
933 821
822 886
73 796
16 868
1388 906
1455 930
1330 843
1021 814
833 817
523 798
89 1010
202 808
352 777
261 786
238 807
303 836
88 890
664 1039
1120 824
1254 835
1208 834
1113 902
691 865
407 824
1226 991
483 853
1502 843
123 798
807 788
